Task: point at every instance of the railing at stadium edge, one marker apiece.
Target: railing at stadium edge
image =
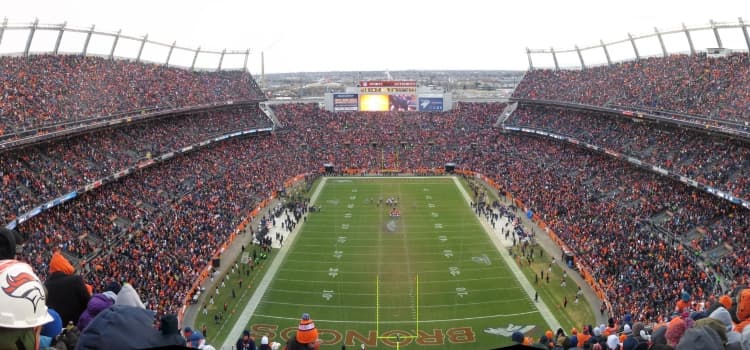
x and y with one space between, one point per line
144 163
699 123
636 162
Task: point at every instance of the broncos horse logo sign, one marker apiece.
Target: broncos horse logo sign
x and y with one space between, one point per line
508 331
24 286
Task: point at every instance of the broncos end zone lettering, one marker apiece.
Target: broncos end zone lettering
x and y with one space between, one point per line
457 335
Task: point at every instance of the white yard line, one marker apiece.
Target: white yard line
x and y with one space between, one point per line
249 309
406 322
525 284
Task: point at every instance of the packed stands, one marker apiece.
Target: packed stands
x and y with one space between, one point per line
42 90
40 173
717 88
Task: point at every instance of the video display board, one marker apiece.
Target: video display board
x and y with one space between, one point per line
345 102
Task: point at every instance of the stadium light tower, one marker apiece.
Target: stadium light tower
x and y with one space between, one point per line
2 29
689 39
32 30
742 24
716 34
59 37
606 52
635 47
661 42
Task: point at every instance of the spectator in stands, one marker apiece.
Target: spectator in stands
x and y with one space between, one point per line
8 241
67 293
246 342
306 337
98 303
24 308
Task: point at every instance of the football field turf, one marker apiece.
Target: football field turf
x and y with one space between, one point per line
430 276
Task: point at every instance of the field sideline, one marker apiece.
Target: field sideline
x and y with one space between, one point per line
354 267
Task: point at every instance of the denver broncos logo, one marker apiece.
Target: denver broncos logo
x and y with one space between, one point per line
26 286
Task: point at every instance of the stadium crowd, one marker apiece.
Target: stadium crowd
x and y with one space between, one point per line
698 85
156 229
41 90
32 176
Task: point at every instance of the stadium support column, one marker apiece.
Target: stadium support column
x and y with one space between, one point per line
195 58
554 58
59 37
635 47
221 59
689 39
31 37
2 29
716 34
86 42
742 24
528 55
169 54
580 57
140 51
114 44
247 55
661 42
606 52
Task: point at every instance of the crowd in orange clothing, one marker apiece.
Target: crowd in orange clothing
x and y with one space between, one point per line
34 175
717 88
40 90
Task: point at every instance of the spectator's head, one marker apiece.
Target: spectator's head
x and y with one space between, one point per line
743 305
59 263
24 310
725 301
122 327
517 337
306 332
700 338
128 296
613 342
8 241
675 330
245 335
264 340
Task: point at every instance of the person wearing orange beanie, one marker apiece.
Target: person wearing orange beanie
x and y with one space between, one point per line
306 337
66 291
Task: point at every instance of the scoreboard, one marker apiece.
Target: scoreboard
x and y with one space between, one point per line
388 95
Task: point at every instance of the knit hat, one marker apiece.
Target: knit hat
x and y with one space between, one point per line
721 314
659 335
58 263
246 333
549 335
597 331
675 330
700 338
726 301
743 305
626 329
613 342
264 340
52 328
129 296
516 337
306 332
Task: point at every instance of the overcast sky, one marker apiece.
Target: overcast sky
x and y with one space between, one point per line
359 35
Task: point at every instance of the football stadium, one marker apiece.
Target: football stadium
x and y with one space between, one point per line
172 201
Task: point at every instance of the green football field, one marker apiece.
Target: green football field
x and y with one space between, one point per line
430 277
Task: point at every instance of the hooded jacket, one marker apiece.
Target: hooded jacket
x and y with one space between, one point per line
66 292
123 327
97 304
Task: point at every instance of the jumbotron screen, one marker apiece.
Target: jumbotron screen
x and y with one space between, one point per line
385 103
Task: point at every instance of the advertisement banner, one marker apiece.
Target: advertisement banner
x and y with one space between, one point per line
345 102
430 104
